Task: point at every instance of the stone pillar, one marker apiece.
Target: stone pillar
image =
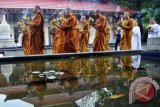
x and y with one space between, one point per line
46 33
5 39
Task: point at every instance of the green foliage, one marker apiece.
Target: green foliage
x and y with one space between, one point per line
158 17
145 19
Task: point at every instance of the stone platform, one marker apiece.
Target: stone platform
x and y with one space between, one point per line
153 43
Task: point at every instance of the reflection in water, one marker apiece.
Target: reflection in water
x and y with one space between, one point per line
128 72
96 82
7 71
136 60
3 80
10 103
39 88
102 66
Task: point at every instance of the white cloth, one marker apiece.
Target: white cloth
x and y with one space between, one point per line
136 45
155 31
136 38
20 40
136 60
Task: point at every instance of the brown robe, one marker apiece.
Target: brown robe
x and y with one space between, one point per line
25 42
36 34
59 40
125 43
72 40
99 43
84 38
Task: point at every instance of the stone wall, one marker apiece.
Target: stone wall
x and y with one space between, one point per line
153 43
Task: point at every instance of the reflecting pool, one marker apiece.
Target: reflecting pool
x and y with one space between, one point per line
75 82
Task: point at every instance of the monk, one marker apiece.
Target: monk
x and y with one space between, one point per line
59 38
72 40
126 25
36 33
99 43
85 34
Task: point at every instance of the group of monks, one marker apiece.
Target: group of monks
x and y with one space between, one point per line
68 39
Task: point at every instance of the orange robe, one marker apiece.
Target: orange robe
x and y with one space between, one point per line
72 39
126 61
102 68
107 37
85 67
25 40
125 43
59 40
99 43
36 34
127 70
84 39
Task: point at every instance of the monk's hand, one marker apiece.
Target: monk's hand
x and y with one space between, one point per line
120 24
55 25
27 23
81 32
60 26
96 27
150 30
93 24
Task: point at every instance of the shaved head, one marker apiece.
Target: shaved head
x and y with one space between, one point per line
97 13
61 13
83 19
126 15
68 12
37 8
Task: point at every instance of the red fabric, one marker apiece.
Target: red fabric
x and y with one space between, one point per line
61 4
150 94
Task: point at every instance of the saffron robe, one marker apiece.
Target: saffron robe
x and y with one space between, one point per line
100 40
72 39
36 34
84 38
125 43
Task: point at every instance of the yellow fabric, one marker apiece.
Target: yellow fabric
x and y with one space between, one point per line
84 38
